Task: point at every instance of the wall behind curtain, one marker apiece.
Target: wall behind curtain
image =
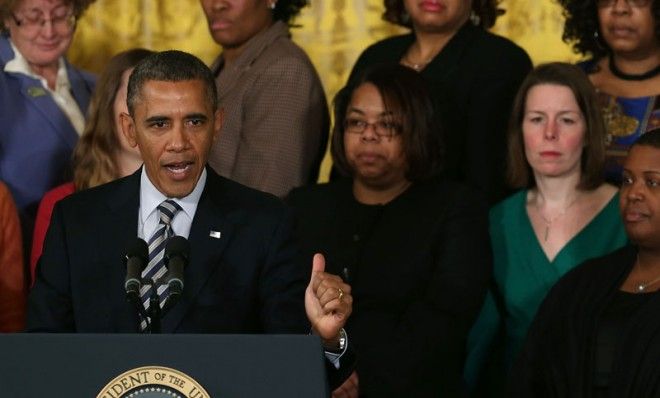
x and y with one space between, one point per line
333 32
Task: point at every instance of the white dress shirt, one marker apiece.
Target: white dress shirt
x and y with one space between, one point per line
151 197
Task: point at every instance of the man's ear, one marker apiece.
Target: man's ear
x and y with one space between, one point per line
128 129
219 117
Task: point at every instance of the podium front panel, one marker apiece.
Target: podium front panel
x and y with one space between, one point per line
225 366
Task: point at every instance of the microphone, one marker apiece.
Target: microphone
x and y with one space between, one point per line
177 251
136 259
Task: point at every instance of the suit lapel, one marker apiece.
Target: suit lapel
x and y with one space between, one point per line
80 88
39 97
447 61
205 248
121 230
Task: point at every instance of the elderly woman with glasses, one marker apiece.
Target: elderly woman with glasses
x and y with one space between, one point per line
413 245
43 99
621 38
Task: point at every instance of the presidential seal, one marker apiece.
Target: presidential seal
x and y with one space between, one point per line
153 382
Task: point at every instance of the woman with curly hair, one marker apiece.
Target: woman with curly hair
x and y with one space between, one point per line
43 99
102 153
622 39
276 119
473 76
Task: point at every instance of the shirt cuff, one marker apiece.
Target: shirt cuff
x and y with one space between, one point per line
334 357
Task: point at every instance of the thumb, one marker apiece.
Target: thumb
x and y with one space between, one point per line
318 263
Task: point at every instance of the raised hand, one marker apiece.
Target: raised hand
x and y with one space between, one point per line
328 302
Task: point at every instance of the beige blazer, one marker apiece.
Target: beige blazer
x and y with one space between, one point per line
276 116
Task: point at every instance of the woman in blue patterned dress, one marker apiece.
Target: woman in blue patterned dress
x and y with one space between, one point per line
622 39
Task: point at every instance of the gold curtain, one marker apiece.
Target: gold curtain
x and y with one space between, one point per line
333 32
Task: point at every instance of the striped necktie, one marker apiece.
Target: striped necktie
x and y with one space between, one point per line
155 269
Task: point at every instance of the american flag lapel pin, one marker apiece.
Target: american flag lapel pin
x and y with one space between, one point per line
215 234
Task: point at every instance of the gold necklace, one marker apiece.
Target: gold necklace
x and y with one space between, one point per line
416 66
548 222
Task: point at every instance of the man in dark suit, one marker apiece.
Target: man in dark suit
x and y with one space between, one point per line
241 277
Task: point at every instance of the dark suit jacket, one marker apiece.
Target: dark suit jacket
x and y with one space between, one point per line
473 81
244 282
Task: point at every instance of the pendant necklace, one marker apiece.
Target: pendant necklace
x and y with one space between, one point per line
416 66
641 287
549 221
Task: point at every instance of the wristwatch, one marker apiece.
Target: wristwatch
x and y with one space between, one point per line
341 344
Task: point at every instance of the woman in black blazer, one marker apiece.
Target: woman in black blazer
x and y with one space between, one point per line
414 246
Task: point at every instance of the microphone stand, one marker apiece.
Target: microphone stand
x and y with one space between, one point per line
154 314
154 310
134 298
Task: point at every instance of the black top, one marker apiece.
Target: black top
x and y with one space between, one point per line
418 266
611 326
560 357
473 80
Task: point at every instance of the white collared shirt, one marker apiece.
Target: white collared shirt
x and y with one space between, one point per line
62 93
151 197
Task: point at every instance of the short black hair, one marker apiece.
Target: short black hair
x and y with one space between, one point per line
405 94
650 138
170 66
286 10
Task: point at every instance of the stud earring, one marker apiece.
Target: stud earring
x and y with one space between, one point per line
272 5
